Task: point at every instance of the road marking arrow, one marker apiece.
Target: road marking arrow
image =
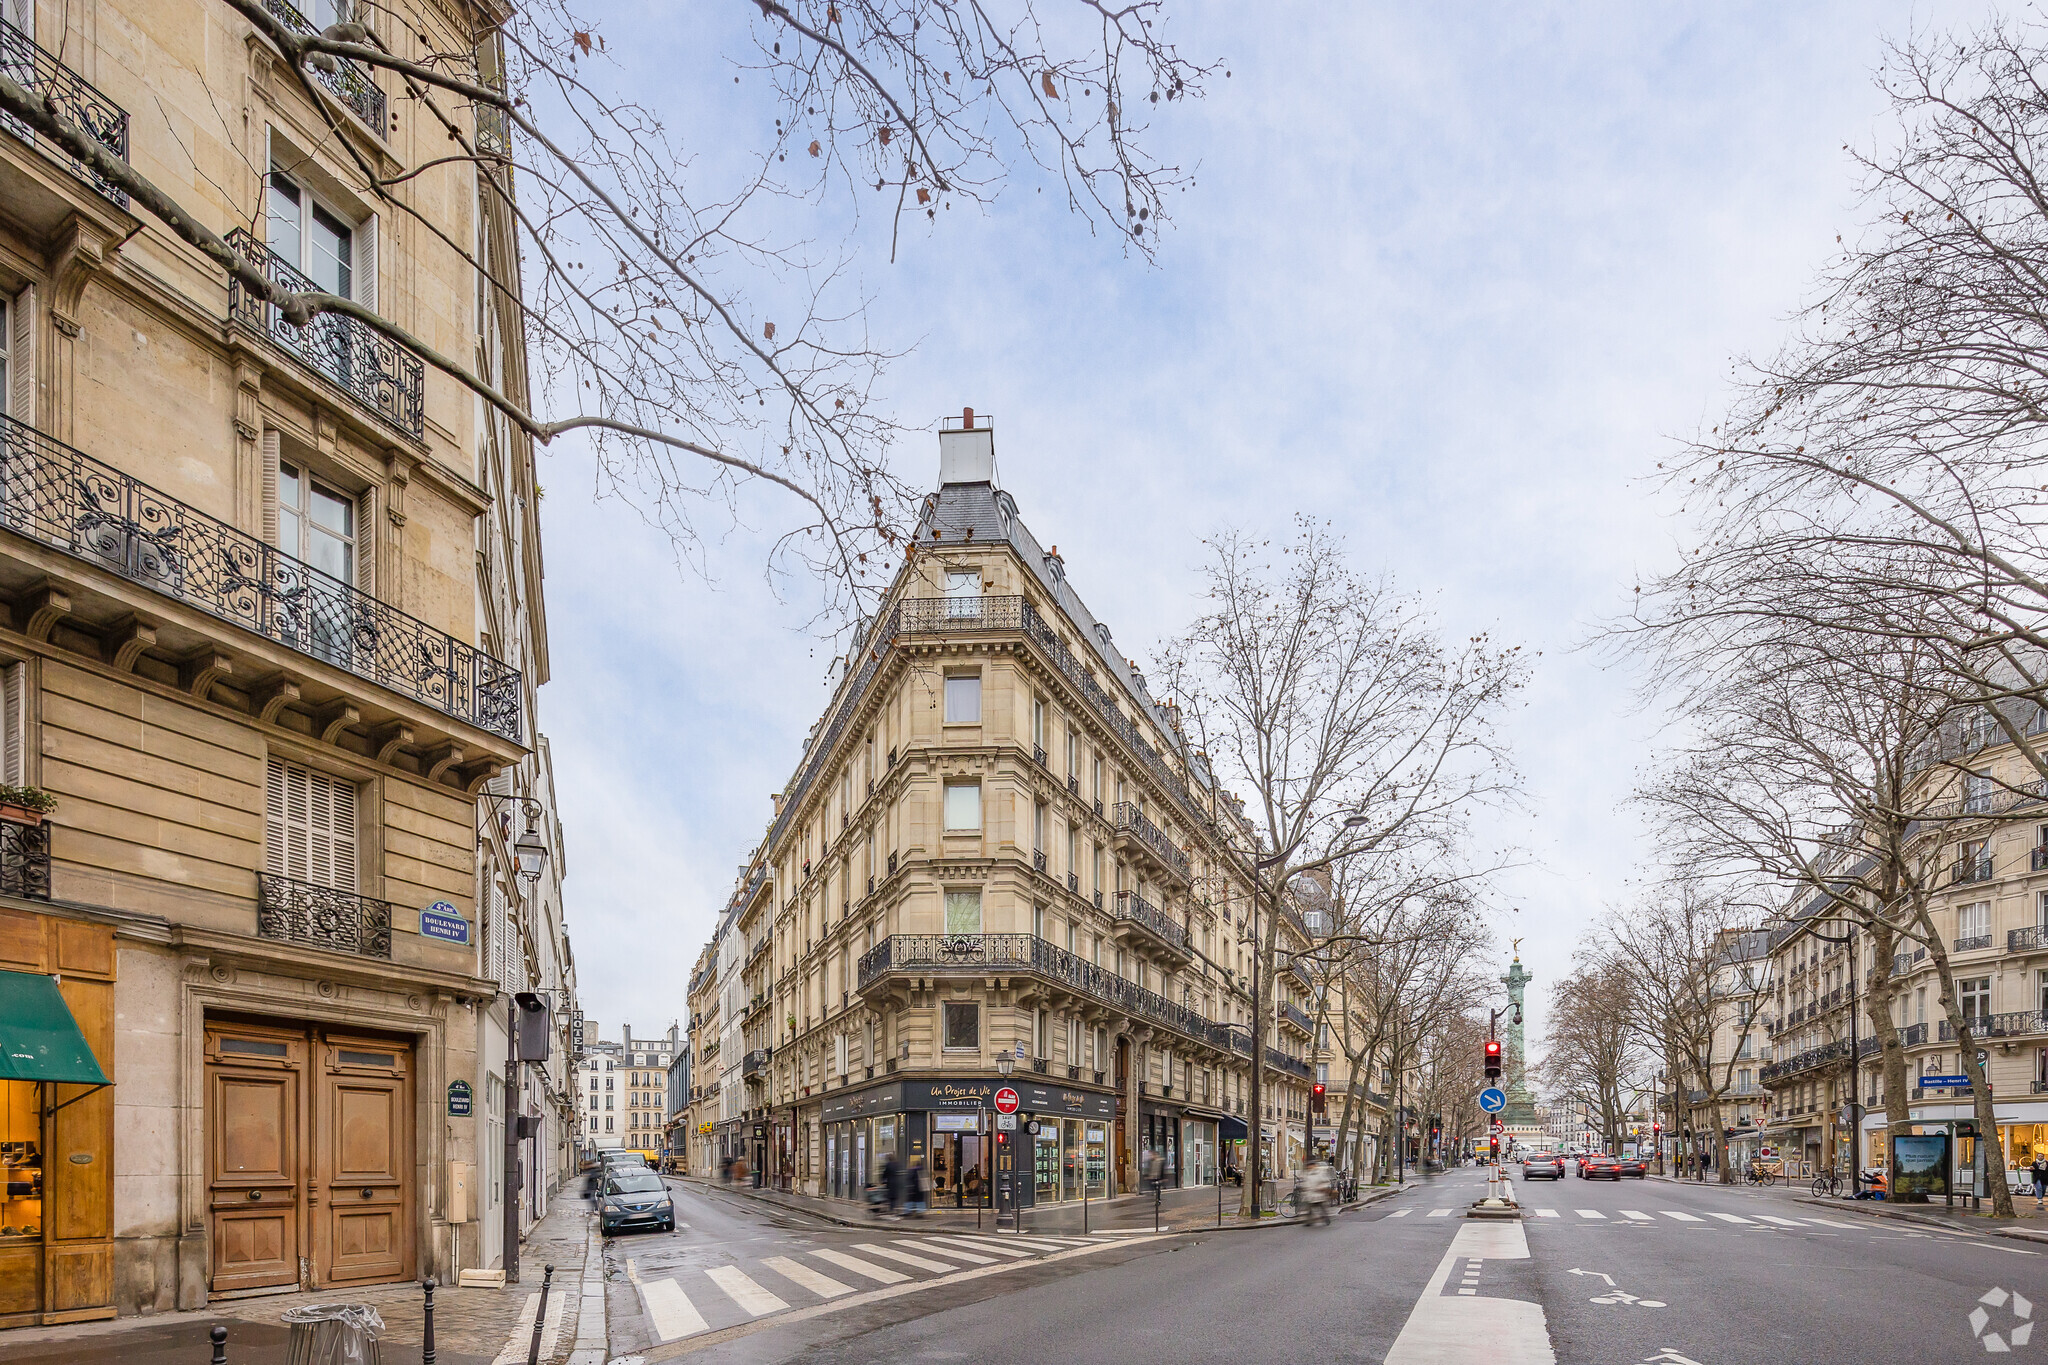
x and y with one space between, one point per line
1609 1278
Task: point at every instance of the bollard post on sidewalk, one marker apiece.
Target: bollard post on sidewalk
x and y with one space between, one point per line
540 1316
220 1345
427 1344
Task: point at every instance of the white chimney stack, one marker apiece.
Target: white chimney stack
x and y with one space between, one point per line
967 451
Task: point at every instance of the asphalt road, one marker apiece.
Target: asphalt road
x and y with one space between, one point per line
1641 1273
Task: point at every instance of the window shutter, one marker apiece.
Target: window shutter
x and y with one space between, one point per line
310 827
365 264
14 724
366 541
270 455
21 358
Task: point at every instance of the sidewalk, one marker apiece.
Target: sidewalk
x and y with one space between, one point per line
471 1326
1190 1210
2030 1224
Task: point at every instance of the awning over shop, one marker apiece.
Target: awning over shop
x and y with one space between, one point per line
39 1039
1231 1130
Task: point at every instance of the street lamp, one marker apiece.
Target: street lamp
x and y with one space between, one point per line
1005 1064
530 854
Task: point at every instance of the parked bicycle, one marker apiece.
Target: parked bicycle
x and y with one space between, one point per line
1760 1174
1827 1183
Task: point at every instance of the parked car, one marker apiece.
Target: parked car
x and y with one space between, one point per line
1543 1166
634 1197
1632 1166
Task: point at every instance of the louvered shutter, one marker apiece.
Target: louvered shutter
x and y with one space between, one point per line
364 267
270 457
366 541
21 358
310 827
14 724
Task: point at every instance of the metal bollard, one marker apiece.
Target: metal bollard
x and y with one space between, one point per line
540 1316
427 1345
220 1345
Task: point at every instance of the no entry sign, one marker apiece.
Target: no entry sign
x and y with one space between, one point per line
1006 1101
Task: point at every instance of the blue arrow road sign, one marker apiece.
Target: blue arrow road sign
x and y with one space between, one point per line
1493 1099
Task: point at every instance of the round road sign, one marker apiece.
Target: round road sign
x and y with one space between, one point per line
1006 1101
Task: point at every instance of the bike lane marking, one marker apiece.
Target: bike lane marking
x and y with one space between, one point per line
1457 1329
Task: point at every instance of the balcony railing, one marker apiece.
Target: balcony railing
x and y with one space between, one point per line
1970 870
1134 909
1973 943
1805 1061
981 953
2038 858
755 1062
293 911
2027 940
39 72
1913 1035
1128 819
2013 1024
368 366
63 498
349 82
1297 1016
25 860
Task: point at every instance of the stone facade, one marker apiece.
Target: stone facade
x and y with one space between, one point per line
271 638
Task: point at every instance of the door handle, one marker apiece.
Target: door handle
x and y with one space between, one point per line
255 1194
366 1191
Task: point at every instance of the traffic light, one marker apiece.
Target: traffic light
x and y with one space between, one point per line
1493 1059
1318 1100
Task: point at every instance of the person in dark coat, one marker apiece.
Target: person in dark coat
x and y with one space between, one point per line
915 1188
892 1183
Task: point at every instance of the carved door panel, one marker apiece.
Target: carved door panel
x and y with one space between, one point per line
254 1141
362 1182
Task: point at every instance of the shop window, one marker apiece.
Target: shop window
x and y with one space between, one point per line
962 1024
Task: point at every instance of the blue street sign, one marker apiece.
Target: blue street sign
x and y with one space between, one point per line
1493 1099
441 920
1942 1080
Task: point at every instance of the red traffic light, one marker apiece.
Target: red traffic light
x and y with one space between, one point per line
1319 1087
1492 1057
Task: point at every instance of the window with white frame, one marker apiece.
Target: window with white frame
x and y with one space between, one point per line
963 807
309 826
1973 922
963 592
963 912
963 699
1975 993
316 240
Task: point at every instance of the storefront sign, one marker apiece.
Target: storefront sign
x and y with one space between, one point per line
444 922
458 1099
921 1096
957 1123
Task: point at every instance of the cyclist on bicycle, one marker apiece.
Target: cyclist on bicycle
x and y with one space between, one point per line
1315 1191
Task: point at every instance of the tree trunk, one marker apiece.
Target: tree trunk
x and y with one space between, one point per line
1980 1089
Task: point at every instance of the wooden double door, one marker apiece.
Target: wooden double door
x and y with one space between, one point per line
309 1157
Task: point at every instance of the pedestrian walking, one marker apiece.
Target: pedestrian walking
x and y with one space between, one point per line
892 1184
2039 1171
725 1170
915 1187
1315 1191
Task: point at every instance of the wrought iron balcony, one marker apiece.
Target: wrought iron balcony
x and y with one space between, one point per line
1973 943
378 373
1130 822
1913 1035
1970 870
25 860
2038 858
293 911
981 954
1813 1057
63 498
39 72
2028 940
2012 1024
1298 1017
1133 909
755 1062
349 82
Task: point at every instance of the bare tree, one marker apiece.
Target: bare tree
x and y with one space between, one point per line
695 331
1591 1048
1361 737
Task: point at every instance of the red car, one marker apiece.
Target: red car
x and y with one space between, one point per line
1600 1168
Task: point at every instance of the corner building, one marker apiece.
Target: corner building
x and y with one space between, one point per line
998 844
270 631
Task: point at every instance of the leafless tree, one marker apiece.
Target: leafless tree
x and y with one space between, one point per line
696 331
1591 1050
1359 735
1675 950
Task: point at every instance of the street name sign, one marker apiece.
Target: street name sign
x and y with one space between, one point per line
1493 1099
1944 1080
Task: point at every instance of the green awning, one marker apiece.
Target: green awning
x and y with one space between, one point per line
39 1040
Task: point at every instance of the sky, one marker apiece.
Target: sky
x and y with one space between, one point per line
1454 282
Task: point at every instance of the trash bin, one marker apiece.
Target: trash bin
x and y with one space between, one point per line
333 1334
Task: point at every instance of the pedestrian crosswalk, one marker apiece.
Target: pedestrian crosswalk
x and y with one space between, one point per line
1640 1217
685 1303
